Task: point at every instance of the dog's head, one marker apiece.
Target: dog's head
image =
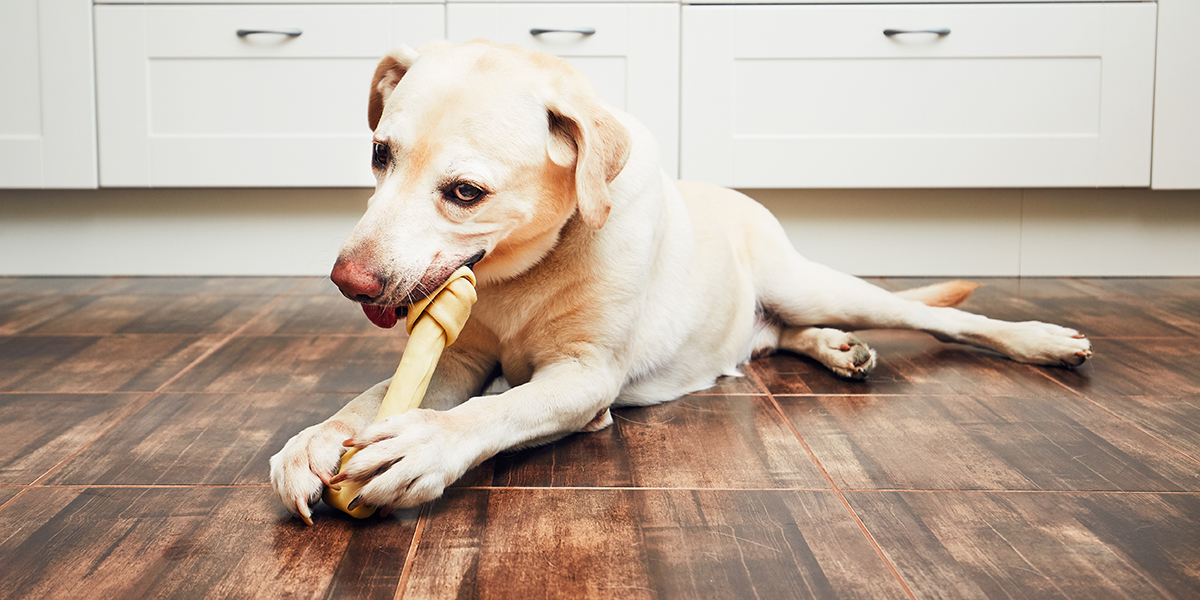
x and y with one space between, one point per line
482 154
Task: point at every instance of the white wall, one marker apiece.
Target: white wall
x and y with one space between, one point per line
866 232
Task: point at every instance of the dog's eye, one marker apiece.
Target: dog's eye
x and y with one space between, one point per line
465 193
381 156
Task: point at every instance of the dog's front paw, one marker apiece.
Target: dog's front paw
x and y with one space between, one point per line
307 464
407 459
1048 344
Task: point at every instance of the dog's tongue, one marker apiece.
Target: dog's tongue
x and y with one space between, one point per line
383 316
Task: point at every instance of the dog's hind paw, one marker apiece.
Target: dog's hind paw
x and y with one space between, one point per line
851 358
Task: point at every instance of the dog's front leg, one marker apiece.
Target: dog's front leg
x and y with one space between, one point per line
308 462
411 458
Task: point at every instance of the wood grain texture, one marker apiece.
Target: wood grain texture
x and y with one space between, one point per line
1147 287
198 439
191 542
1174 420
221 286
1137 367
181 314
52 286
983 443
317 314
645 544
910 363
1052 546
40 430
315 363
107 363
693 442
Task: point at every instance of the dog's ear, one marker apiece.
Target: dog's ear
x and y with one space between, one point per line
587 136
387 75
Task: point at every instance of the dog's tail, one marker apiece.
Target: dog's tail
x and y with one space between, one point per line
948 293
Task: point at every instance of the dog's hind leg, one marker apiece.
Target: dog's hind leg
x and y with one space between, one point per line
844 353
805 293
801 293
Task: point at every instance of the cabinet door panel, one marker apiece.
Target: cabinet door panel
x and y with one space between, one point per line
1177 97
47 109
1013 95
632 58
184 101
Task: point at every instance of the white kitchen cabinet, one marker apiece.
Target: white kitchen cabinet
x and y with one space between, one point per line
1007 95
632 56
47 107
1177 97
184 100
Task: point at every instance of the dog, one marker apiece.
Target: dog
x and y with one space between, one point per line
602 282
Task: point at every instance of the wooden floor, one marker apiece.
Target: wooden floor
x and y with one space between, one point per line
138 415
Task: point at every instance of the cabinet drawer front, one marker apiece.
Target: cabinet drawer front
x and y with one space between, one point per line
632 58
1010 95
184 101
211 31
512 23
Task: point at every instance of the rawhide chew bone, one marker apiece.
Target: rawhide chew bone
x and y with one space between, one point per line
433 324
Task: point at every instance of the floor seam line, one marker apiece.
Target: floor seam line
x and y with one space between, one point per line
406 571
840 496
1122 419
219 345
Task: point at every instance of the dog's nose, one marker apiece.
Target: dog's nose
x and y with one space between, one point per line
356 280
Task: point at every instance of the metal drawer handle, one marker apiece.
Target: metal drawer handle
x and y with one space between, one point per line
939 32
288 32
584 31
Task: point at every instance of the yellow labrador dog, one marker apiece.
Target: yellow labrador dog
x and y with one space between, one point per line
602 282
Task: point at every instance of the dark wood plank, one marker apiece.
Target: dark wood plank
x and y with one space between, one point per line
1149 367
254 286
1181 312
191 542
112 313
1148 287
316 363
1095 546
910 362
40 430
693 442
317 314
645 544
51 286
314 286
110 363
206 439
1174 420
986 442
7 493
17 309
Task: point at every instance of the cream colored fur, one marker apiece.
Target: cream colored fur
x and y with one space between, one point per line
604 283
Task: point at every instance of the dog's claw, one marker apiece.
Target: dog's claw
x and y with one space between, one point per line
354 503
327 480
302 508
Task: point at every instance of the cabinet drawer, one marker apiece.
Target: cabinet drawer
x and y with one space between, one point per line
1007 95
185 101
632 58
